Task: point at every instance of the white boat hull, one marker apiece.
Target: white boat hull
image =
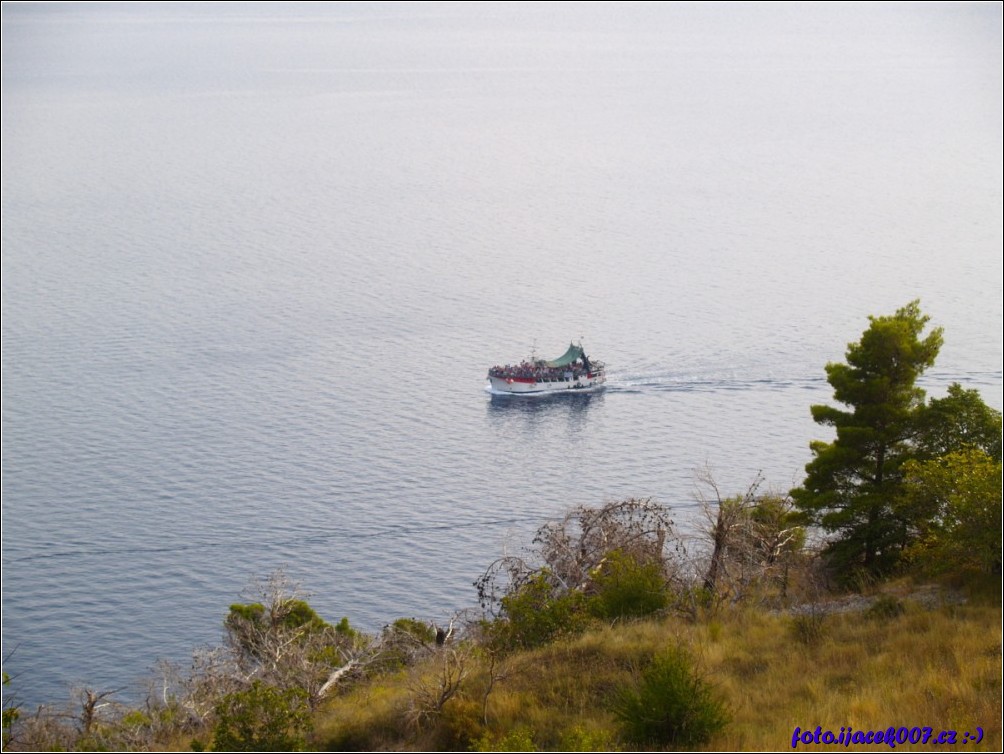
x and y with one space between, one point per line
518 386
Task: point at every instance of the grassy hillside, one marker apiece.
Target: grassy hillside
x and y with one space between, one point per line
898 662
902 656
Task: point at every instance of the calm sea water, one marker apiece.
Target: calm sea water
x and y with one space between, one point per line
257 260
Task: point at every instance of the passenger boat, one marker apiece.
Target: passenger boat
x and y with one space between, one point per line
573 371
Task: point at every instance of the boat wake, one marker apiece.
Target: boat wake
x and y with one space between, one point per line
706 383
734 381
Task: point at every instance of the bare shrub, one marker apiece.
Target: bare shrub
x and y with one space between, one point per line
753 539
572 550
428 697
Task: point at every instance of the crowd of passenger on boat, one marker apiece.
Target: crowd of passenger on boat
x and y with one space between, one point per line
540 372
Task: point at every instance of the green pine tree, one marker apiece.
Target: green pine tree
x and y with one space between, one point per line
851 483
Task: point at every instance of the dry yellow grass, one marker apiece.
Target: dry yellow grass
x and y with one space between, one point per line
937 667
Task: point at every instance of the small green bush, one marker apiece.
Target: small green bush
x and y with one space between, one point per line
517 739
627 588
11 712
671 705
342 628
421 631
457 727
580 738
885 607
808 628
301 615
262 718
538 613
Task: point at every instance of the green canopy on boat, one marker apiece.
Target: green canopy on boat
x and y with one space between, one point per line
574 353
